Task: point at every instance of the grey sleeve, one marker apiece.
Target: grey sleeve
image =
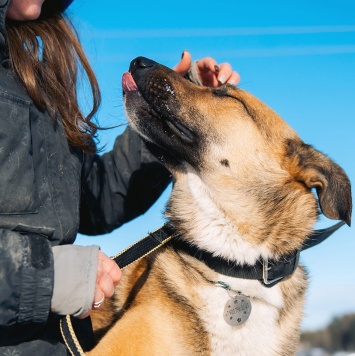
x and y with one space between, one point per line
75 270
192 74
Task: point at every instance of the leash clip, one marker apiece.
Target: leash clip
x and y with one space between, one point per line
266 270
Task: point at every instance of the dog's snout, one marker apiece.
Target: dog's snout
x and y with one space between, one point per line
140 63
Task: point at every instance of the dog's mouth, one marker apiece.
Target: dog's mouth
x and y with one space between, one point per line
161 108
128 83
154 110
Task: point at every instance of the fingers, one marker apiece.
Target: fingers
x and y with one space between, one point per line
213 74
99 296
185 63
210 72
108 275
105 284
227 75
110 267
234 79
207 64
98 299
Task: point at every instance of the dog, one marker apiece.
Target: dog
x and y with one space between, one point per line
242 202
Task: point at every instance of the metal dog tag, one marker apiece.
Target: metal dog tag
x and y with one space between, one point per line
237 310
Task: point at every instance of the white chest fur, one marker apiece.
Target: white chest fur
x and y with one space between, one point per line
257 336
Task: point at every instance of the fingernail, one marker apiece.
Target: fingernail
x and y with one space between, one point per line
233 82
222 79
216 68
183 53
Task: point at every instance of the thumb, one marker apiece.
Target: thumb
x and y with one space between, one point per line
185 63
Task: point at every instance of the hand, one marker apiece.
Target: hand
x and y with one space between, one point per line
211 73
108 276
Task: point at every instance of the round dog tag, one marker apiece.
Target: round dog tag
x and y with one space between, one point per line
237 310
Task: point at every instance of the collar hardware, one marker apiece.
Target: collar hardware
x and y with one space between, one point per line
266 270
275 272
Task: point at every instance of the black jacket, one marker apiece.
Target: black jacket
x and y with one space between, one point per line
49 192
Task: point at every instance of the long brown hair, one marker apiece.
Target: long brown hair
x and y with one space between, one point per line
46 55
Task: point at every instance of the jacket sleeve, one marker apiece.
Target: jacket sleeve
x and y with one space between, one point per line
26 278
75 271
119 185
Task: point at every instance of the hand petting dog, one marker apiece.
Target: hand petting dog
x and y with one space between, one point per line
209 71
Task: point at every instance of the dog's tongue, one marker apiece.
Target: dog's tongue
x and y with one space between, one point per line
128 83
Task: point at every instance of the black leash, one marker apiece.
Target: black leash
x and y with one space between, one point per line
145 246
268 272
135 252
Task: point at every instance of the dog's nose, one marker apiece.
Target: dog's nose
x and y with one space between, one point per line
140 63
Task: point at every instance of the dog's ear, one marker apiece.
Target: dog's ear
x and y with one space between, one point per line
316 170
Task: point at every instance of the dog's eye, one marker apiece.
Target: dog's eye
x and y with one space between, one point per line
223 92
220 92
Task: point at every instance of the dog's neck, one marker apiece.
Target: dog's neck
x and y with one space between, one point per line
212 233
229 220
207 226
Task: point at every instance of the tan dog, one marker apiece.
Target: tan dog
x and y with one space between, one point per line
241 197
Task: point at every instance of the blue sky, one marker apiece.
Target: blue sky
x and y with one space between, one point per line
297 56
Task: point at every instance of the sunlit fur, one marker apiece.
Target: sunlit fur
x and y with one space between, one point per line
242 190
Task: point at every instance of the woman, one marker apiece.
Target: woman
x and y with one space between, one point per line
53 184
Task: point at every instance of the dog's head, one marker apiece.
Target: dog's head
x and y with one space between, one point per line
247 161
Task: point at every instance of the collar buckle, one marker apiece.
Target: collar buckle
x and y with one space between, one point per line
266 269
279 269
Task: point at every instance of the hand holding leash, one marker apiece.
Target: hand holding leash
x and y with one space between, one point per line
108 276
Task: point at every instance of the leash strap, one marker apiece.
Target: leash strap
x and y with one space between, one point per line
145 246
69 337
135 252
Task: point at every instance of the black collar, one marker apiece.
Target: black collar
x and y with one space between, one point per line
267 272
